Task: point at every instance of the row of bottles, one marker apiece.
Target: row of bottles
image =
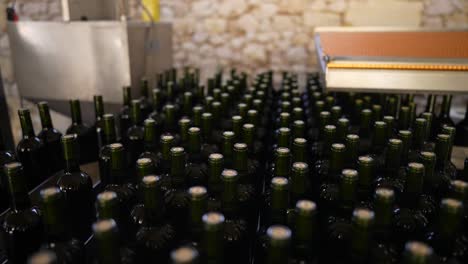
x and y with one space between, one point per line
233 173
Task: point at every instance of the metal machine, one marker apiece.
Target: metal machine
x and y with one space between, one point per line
56 61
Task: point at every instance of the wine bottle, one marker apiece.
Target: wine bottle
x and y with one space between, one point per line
404 118
78 189
184 125
145 105
155 237
390 121
361 238
135 133
108 245
44 256
420 136
87 136
150 140
57 229
31 152
278 245
98 118
109 206
300 182
406 137
418 253
300 151
227 148
305 232
462 130
442 150
185 255
379 137
124 116
444 117
51 138
109 137
170 115
366 167
196 209
435 183
391 172
21 227
157 102
144 167
445 237
213 238
276 202
5 158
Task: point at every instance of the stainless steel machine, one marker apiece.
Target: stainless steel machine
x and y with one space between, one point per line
57 61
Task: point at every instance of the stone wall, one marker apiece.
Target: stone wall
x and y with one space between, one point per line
251 35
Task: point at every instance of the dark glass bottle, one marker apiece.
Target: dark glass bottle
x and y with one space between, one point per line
87 136
57 229
384 206
300 185
442 149
170 118
109 206
166 142
109 137
155 237
157 101
419 134
135 134
406 137
150 140
185 255
446 238
176 199
277 247
462 130
276 202
196 209
299 150
184 125
362 234
108 244
78 189
444 117
21 227
227 148
98 115
119 178
51 138
418 253
342 129
379 137
212 246
391 172
305 232
282 164
5 158
366 167
144 102
31 152
124 116
330 169
404 118
43 257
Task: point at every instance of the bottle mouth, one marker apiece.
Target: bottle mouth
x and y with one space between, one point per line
215 157
300 141
151 180
116 147
365 160
144 162
300 166
51 193
279 183
363 216
418 249
240 147
306 206
106 197
177 151
385 194
197 192
279 233
451 205
104 226
229 175
213 219
184 255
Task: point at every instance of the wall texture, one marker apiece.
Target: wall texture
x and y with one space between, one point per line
253 35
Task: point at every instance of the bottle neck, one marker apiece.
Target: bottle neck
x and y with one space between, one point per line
419 131
195 142
431 101
446 104
108 244
153 202
283 165
299 150
150 136
71 153
393 158
26 123
17 186
279 200
197 207
98 107
442 149
227 147
54 219
44 114
384 206
178 168
127 96
76 112
117 166
109 129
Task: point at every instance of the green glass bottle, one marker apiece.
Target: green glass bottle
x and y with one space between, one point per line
50 137
108 244
78 189
98 121
196 209
299 150
144 167
150 140
87 136
305 230
5 158
462 130
185 255
124 116
448 229
184 125
155 237
413 185
227 148
300 186
282 164
31 152
406 137
144 102
390 121
384 203
109 206
404 118
353 145
299 129
361 241
57 227
135 133
166 142
418 253
444 118
342 129
419 132
21 227
278 245
366 167
157 102
213 238
379 137
442 150
365 123
237 123
390 171
43 257
215 168
109 137
277 202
